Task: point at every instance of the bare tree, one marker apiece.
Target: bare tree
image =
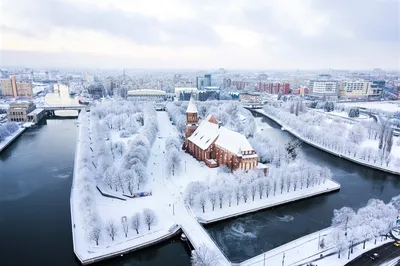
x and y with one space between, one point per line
95 234
112 229
124 222
149 217
237 193
281 183
221 195
260 184
136 221
229 194
288 182
202 200
203 256
253 189
212 196
275 184
245 192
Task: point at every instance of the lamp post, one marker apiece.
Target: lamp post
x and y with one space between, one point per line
185 166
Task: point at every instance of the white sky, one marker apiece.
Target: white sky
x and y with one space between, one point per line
256 34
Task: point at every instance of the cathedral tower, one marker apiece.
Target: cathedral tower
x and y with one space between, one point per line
191 118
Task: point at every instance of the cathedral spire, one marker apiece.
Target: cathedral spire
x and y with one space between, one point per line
191 106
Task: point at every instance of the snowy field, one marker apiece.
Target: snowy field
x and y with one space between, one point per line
387 106
110 209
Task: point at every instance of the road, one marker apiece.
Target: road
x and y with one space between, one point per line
386 253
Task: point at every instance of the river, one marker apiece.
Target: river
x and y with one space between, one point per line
244 237
35 226
35 183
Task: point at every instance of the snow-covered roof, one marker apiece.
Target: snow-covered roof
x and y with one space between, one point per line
191 106
233 141
146 92
227 139
205 134
185 89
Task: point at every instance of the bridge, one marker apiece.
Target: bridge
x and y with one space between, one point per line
50 109
253 105
71 107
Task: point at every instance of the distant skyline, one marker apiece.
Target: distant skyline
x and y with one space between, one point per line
233 34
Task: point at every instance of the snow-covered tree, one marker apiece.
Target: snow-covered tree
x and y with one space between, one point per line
125 226
112 229
136 222
202 200
212 196
95 233
203 256
149 217
245 191
221 192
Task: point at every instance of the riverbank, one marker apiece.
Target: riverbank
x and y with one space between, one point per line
5 143
85 249
344 156
308 249
260 204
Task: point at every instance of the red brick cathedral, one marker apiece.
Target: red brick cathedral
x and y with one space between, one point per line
217 145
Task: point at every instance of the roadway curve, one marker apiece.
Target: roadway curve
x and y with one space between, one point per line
386 253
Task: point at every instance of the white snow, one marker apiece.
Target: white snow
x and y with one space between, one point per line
259 204
388 106
391 262
306 249
10 138
191 106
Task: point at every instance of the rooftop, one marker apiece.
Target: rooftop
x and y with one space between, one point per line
192 106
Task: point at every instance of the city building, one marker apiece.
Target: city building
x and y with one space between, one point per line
376 88
273 87
354 89
184 93
147 95
6 87
361 89
11 87
203 81
226 83
216 145
20 110
240 85
208 93
250 97
326 89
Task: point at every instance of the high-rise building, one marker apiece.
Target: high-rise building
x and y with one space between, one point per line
10 87
203 81
273 87
327 89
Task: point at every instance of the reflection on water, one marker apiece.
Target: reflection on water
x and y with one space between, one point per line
61 97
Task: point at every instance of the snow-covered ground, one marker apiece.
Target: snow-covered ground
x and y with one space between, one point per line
392 168
114 209
387 106
306 249
11 138
258 204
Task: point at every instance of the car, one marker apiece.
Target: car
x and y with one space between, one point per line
373 256
397 243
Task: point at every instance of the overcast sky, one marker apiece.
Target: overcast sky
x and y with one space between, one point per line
244 34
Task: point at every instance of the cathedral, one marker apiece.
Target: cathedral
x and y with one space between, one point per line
216 145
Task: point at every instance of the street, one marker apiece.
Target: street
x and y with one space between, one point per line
385 252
